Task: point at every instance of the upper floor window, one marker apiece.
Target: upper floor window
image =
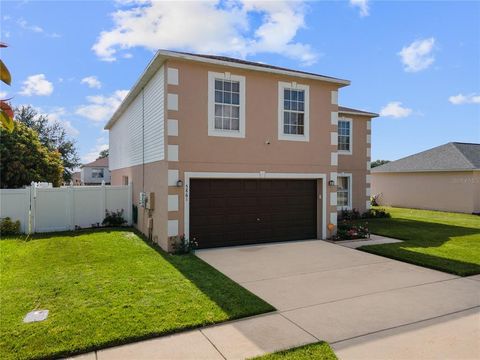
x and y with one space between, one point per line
345 136
226 105
293 111
97 173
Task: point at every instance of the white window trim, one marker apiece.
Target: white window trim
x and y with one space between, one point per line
211 105
306 125
259 175
345 152
349 206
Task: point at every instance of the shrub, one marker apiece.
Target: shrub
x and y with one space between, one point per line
114 218
375 213
347 231
350 214
9 227
181 245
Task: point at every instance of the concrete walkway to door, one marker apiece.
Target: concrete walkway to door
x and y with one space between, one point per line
365 306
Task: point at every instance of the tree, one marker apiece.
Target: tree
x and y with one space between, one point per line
23 159
103 154
53 135
379 162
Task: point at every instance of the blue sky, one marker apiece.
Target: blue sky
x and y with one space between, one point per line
416 63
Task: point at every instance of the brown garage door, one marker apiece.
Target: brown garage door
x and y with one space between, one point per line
225 212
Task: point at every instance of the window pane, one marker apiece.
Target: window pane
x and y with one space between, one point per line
286 129
226 123
227 86
227 111
218 85
301 95
300 106
218 96
300 119
286 105
235 112
294 95
293 118
235 124
218 122
286 117
286 94
218 110
294 105
227 98
235 99
235 86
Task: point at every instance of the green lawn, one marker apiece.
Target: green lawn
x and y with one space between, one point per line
317 351
444 241
105 288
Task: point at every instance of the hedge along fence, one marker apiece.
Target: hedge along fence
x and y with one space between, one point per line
64 208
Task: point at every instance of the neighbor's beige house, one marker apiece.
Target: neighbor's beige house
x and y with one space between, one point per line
443 178
233 152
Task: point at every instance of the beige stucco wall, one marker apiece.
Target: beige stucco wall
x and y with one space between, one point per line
447 191
356 162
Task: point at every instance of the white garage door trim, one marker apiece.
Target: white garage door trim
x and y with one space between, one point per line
260 175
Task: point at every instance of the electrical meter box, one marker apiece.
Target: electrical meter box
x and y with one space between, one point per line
150 201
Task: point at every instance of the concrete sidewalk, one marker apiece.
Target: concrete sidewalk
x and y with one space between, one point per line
366 306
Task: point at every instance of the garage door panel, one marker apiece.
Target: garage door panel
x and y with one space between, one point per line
246 211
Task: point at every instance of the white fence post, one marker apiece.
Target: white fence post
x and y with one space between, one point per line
71 207
104 200
129 203
32 208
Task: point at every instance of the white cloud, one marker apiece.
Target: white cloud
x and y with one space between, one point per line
465 99
418 55
36 85
92 82
92 155
57 114
362 6
395 109
219 27
100 107
25 25
3 95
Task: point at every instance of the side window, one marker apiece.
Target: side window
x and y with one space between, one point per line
344 136
293 111
344 192
226 105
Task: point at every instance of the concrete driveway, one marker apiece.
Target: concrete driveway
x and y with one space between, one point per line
366 306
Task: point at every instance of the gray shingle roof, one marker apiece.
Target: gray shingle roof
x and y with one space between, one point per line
453 156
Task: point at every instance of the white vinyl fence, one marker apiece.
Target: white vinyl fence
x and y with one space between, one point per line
65 208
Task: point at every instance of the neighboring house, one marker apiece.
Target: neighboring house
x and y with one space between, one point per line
95 173
236 152
446 178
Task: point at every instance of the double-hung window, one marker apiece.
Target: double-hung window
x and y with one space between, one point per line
344 136
344 191
97 173
293 111
226 105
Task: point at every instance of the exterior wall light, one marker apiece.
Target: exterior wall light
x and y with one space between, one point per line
331 183
179 183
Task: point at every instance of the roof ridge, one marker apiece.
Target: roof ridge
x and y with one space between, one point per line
461 153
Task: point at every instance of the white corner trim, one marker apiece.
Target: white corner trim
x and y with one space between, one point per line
369 165
334 138
173 176
350 122
369 124
333 176
282 85
334 97
369 139
172 152
333 199
334 159
368 192
172 202
172 102
172 76
334 118
369 179
369 152
172 227
350 189
172 127
333 218
258 175
211 105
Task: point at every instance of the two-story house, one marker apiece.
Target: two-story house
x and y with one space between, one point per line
95 172
236 152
